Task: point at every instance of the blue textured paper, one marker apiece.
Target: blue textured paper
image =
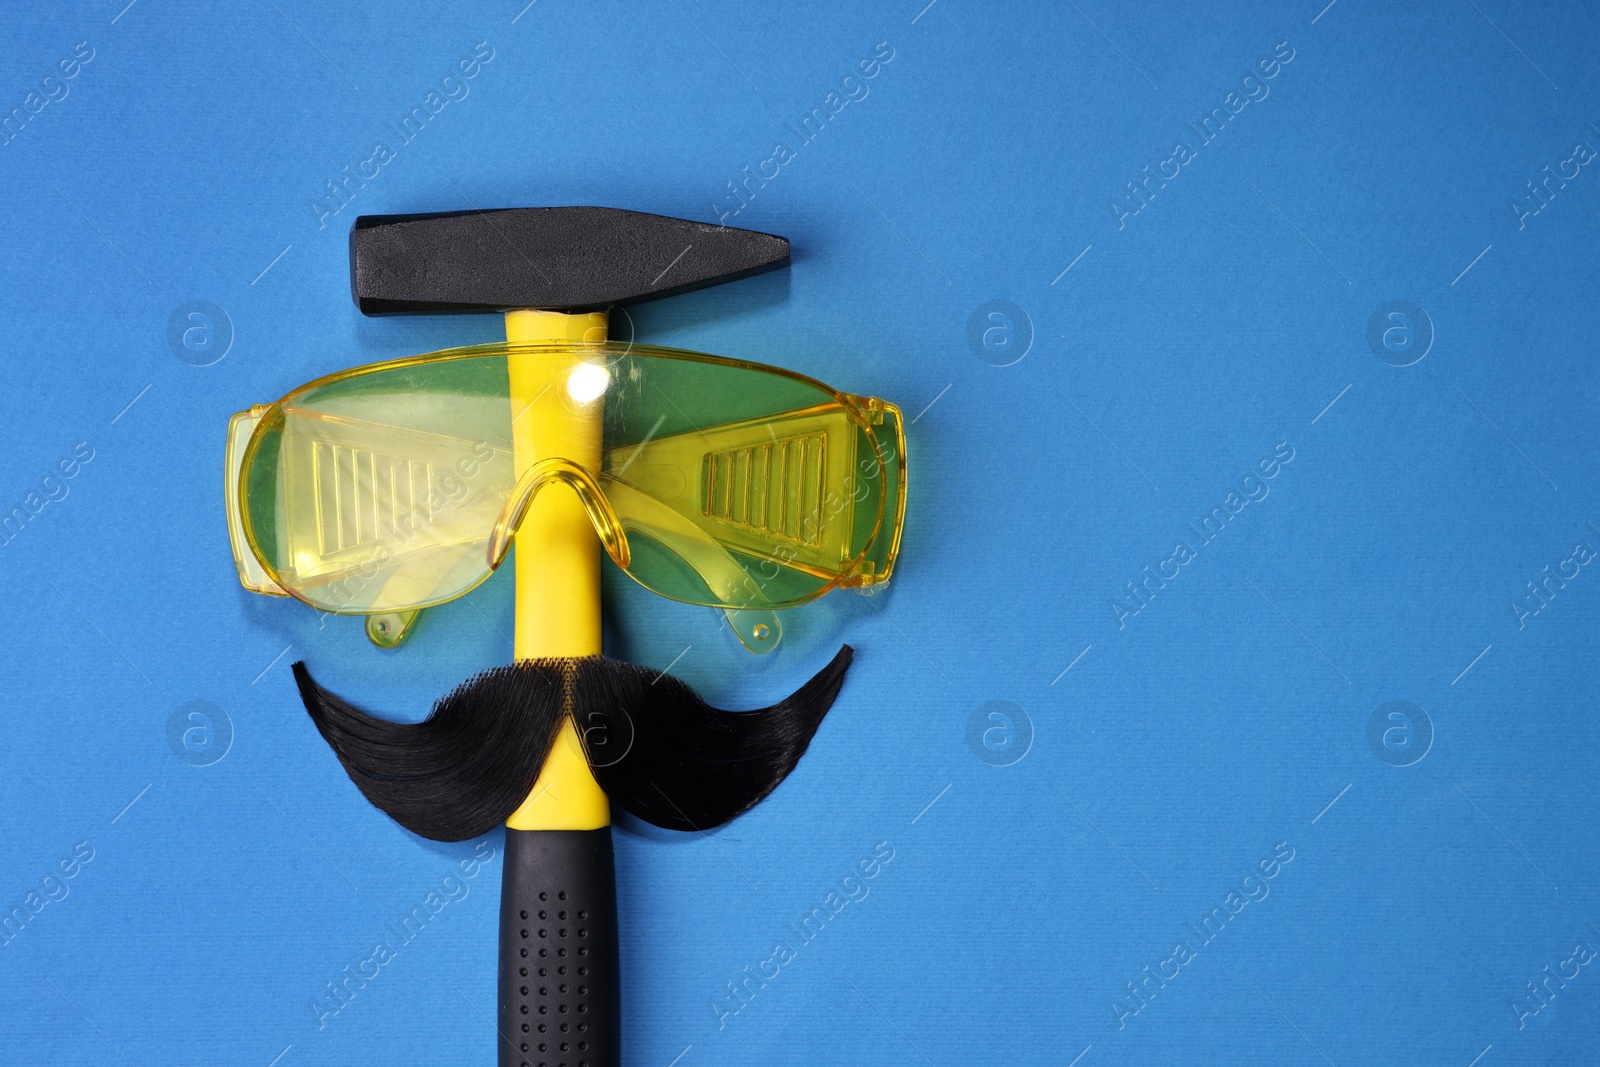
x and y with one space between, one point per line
1234 700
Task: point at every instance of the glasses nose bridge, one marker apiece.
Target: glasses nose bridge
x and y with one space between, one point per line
577 478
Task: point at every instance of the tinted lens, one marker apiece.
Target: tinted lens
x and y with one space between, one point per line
376 491
738 486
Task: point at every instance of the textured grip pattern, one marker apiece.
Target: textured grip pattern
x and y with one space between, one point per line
558 950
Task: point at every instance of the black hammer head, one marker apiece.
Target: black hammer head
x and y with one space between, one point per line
557 258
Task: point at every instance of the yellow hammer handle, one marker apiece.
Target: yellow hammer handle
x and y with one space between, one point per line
557 554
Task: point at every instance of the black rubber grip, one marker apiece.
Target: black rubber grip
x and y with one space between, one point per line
558 950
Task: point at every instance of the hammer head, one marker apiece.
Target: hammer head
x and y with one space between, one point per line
556 258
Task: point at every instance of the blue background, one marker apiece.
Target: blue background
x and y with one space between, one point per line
1183 345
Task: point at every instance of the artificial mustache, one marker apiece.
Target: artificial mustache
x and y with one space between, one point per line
659 751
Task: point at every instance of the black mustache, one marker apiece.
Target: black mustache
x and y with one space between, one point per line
659 751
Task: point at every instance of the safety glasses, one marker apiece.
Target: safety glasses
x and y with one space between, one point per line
397 486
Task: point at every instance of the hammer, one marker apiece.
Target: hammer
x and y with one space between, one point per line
554 272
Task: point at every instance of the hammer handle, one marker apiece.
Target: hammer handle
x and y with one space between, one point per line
558 950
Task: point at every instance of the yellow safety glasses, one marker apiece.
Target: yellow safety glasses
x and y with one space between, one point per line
385 489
